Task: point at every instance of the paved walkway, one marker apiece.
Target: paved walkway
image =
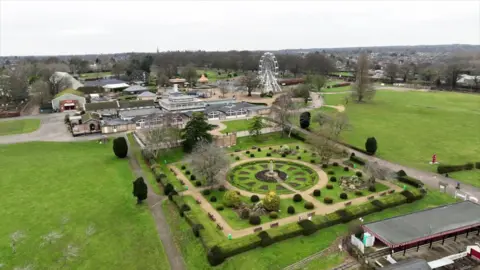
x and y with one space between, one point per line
154 202
320 208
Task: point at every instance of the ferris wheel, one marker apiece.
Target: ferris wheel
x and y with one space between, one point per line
267 72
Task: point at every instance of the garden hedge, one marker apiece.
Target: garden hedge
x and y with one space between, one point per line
410 180
358 160
442 169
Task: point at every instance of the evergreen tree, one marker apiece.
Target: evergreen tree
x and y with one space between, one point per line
256 126
120 147
305 120
140 190
371 145
197 129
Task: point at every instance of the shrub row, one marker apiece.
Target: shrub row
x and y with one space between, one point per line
358 160
404 178
455 168
220 252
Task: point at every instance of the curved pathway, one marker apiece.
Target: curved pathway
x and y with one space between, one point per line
320 208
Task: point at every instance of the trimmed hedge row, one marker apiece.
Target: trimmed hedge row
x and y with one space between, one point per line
456 168
220 252
411 181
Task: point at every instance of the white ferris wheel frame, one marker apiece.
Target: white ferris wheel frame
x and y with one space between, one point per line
268 72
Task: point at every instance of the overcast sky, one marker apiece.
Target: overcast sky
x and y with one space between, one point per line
82 27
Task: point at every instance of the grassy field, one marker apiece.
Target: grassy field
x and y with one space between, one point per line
411 126
80 195
213 76
95 75
338 89
237 125
282 254
12 127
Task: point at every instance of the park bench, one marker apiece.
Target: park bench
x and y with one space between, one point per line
274 225
211 217
391 191
383 193
257 229
370 198
219 227
348 203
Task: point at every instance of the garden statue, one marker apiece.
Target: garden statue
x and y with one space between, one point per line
270 166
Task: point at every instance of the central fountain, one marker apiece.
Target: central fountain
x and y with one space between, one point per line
271 173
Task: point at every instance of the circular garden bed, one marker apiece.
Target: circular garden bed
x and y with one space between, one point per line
251 176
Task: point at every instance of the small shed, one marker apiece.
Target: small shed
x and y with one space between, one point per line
68 100
147 96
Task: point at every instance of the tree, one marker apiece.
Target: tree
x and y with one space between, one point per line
250 81
164 135
223 87
58 83
271 202
371 145
140 189
120 147
190 74
231 198
302 91
280 111
256 126
162 78
324 139
317 63
391 71
305 120
209 161
42 89
197 129
317 82
363 89
119 68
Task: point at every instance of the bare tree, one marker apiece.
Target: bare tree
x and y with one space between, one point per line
379 172
281 111
317 82
119 68
224 88
363 89
250 81
58 83
163 135
42 90
391 71
324 139
208 161
190 74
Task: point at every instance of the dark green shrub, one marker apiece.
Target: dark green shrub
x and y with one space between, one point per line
372 189
187 172
316 193
284 155
297 147
183 167
329 186
245 214
297 198
291 210
335 164
312 161
254 198
168 188
215 256
248 152
324 166
254 220
213 199
221 188
357 160
358 173
237 158
299 157
305 151
120 147
196 229
327 200
193 177
333 179
273 215
401 173
307 226
344 215
308 205
477 165
378 204
198 183
206 192
331 173
220 208
469 166
371 145
259 150
358 193
346 169
185 207
269 154
343 196
266 240
442 169
252 155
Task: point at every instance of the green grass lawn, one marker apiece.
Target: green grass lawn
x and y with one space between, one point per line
326 262
12 127
237 125
338 89
262 140
95 75
282 254
81 192
411 126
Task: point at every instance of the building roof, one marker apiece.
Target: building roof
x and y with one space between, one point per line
410 264
69 91
101 106
124 104
177 80
116 122
116 86
203 79
104 82
426 224
147 94
139 112
135 88
225 107
90 116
